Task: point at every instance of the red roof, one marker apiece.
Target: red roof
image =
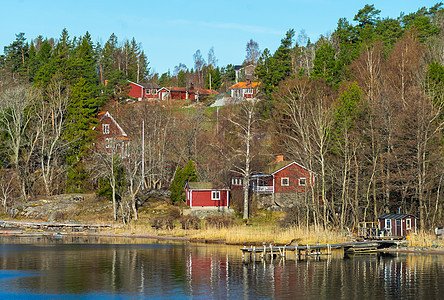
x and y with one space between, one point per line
245 85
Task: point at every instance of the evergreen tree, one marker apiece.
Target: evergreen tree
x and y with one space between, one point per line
181 177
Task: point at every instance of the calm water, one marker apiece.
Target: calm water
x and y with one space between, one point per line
94 268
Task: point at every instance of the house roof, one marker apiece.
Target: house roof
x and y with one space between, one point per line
150 85
278 166
245 85
190 90
203 186
395 216
106 114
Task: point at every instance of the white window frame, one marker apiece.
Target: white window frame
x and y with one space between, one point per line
107 145
105 128
215 195
303 179
388 223
285 179
148 91
249 91
154 92
236 181
408 224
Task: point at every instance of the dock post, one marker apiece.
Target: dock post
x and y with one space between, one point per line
271 250
254 253
264 255
283 252
296 251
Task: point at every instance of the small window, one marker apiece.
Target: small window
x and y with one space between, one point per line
302 181
285 181
408 224
107 140
236 181
388 223
215 195
148 92
154 92
105 128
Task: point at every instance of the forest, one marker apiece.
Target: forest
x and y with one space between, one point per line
363 107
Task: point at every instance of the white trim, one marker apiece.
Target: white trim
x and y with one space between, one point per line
286 166
215 195
285 178
107 114
408 224
389 223
105 128
299 181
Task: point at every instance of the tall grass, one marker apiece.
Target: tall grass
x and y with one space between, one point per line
425 239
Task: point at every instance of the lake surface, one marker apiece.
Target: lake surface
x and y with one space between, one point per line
105 268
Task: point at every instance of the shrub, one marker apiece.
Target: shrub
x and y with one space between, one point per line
220 221
190 222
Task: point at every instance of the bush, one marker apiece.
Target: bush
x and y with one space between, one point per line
190 222
163 223
220 221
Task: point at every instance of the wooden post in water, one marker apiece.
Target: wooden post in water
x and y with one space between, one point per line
271 250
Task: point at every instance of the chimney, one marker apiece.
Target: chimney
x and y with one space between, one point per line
279 158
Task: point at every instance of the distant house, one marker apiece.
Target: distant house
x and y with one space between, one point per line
397 224
111 134
245 89
143 90
244 72
204 194
183 93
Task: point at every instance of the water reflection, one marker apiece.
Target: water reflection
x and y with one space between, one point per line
108 267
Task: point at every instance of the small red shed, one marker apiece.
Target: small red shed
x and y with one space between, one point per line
204 194
397 224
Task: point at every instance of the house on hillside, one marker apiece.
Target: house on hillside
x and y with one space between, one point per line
111 135
142 91
282 183
183 93
397 224
245 89
244 72
206 195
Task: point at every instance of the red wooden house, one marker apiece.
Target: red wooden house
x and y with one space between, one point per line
246 89
182 93
204 194
143 90
279 177
111 135
397 224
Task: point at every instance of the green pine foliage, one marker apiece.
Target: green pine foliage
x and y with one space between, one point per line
181 177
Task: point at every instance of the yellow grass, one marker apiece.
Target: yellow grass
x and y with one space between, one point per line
425 239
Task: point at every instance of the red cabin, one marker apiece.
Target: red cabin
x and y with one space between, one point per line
397 224
283 177
111 135
143 90
203 194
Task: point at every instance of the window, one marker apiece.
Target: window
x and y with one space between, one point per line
107 140
215 195
148 92
285 181
388 223
236 181
408 224
154 92
302 181
105 128
249 91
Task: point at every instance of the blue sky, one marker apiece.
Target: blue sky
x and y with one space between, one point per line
170 31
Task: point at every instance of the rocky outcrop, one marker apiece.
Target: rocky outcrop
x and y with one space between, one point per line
54 208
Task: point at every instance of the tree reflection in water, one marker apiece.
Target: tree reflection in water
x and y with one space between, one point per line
146 268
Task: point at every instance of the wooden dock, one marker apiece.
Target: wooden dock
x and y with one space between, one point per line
57 226
302 251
